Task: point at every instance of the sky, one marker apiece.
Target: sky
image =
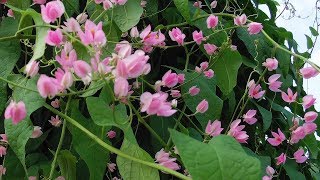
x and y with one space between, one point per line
299 27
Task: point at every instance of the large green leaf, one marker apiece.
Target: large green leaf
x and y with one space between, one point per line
18 136
266 116
222 158
67 164
208 92
226 68
161 125
128 15
10 53
13 166
291 168
133 170
41 30
312 143
92 153
183 7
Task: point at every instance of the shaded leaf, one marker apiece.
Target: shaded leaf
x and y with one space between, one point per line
183 7
67 164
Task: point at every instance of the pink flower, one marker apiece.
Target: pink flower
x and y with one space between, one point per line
4 138
55 103
36 132
278 138
170 79
310 116
308 101
83 70
255 91
54 38
198 37
309 127
32 68
176 35
119 2
164 159
93 34
212 21
123 49
209 74
202 106
82 18
47 86
181 78
111 167
3 151
290 97
151 38
254 28
194 90
270 171
71 25
10 13
213 4
249 117
2 170
240 20
237 133
213 129
60 178
233 47
297 135
39 2
32 178
175 93
107 4
52 11
156 104
68 57
121 87
134 32
63 79
55 121
16 111
132 66
143 4
111 134
3 1
308 72
271 64
299 156
274 84
197 4
281 159
204 65
210 48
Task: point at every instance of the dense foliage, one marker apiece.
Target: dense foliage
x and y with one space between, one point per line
170 89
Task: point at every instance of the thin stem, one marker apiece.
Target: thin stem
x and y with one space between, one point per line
17 85
64 126
113 149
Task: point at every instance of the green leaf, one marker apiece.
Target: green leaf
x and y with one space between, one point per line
160 125
309 42
313 31
311 142
95 156
95 86
207 91
266 116
152 9
71 6
226 70
13 166
222 158
264 160
128 15
133 170
41 31
103 115
18 136
284 59
291 168
25 4
183 7
67 164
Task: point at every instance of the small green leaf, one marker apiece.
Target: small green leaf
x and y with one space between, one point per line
183 7
226 68
312 143
128 15
67 164
309 42
222 158
313 31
